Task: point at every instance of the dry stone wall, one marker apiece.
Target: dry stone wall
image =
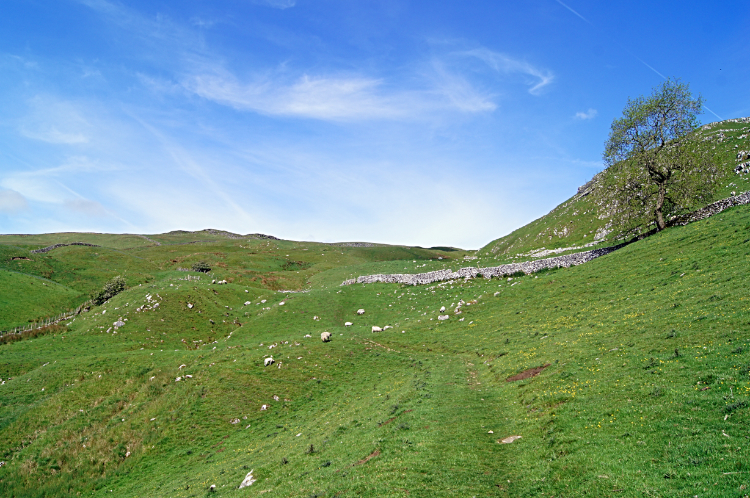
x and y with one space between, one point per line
528 267
488 272
712 209
49 248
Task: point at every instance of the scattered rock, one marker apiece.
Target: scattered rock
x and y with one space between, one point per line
234 421
190 306
248 481
264 407
508 439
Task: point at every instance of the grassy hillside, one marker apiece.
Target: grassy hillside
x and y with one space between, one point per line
643 387
578 222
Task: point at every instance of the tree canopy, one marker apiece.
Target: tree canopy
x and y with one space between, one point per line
656 168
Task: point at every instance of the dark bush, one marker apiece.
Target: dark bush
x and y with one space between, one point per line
110 290
201 266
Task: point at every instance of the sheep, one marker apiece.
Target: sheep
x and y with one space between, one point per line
376 329
360 311
443 317
348 324
268 361
325 337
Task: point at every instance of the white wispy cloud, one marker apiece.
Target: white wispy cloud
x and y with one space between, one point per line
339 98
55 121
276 4
503 63
590 114
12 202
86 207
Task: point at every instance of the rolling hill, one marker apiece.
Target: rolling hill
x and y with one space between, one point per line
626 376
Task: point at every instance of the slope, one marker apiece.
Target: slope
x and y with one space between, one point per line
579 223
642 388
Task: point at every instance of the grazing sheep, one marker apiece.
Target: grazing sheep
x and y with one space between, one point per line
376 329
348 324
442 309
325 337
443 317
360 311
268 361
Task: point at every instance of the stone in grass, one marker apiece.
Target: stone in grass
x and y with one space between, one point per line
508 439
118 324
248 481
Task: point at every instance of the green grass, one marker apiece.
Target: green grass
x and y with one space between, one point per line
647 392
25 297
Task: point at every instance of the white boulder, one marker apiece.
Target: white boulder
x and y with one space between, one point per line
248 481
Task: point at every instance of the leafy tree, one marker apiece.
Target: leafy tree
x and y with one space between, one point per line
201 266
656 167
110 290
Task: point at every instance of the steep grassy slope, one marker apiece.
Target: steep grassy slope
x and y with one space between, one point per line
578 221
645 391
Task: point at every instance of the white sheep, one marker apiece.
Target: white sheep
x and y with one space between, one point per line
325 337
348 324
376 329
360 311
268 361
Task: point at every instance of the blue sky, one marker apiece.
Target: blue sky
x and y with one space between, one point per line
409 122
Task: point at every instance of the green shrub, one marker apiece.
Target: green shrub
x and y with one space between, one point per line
201 266
110 290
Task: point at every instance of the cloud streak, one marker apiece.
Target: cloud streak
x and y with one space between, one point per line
11 202
276 4
341 98
590 114
502 63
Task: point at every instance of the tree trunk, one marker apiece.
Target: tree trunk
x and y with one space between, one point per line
660 225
